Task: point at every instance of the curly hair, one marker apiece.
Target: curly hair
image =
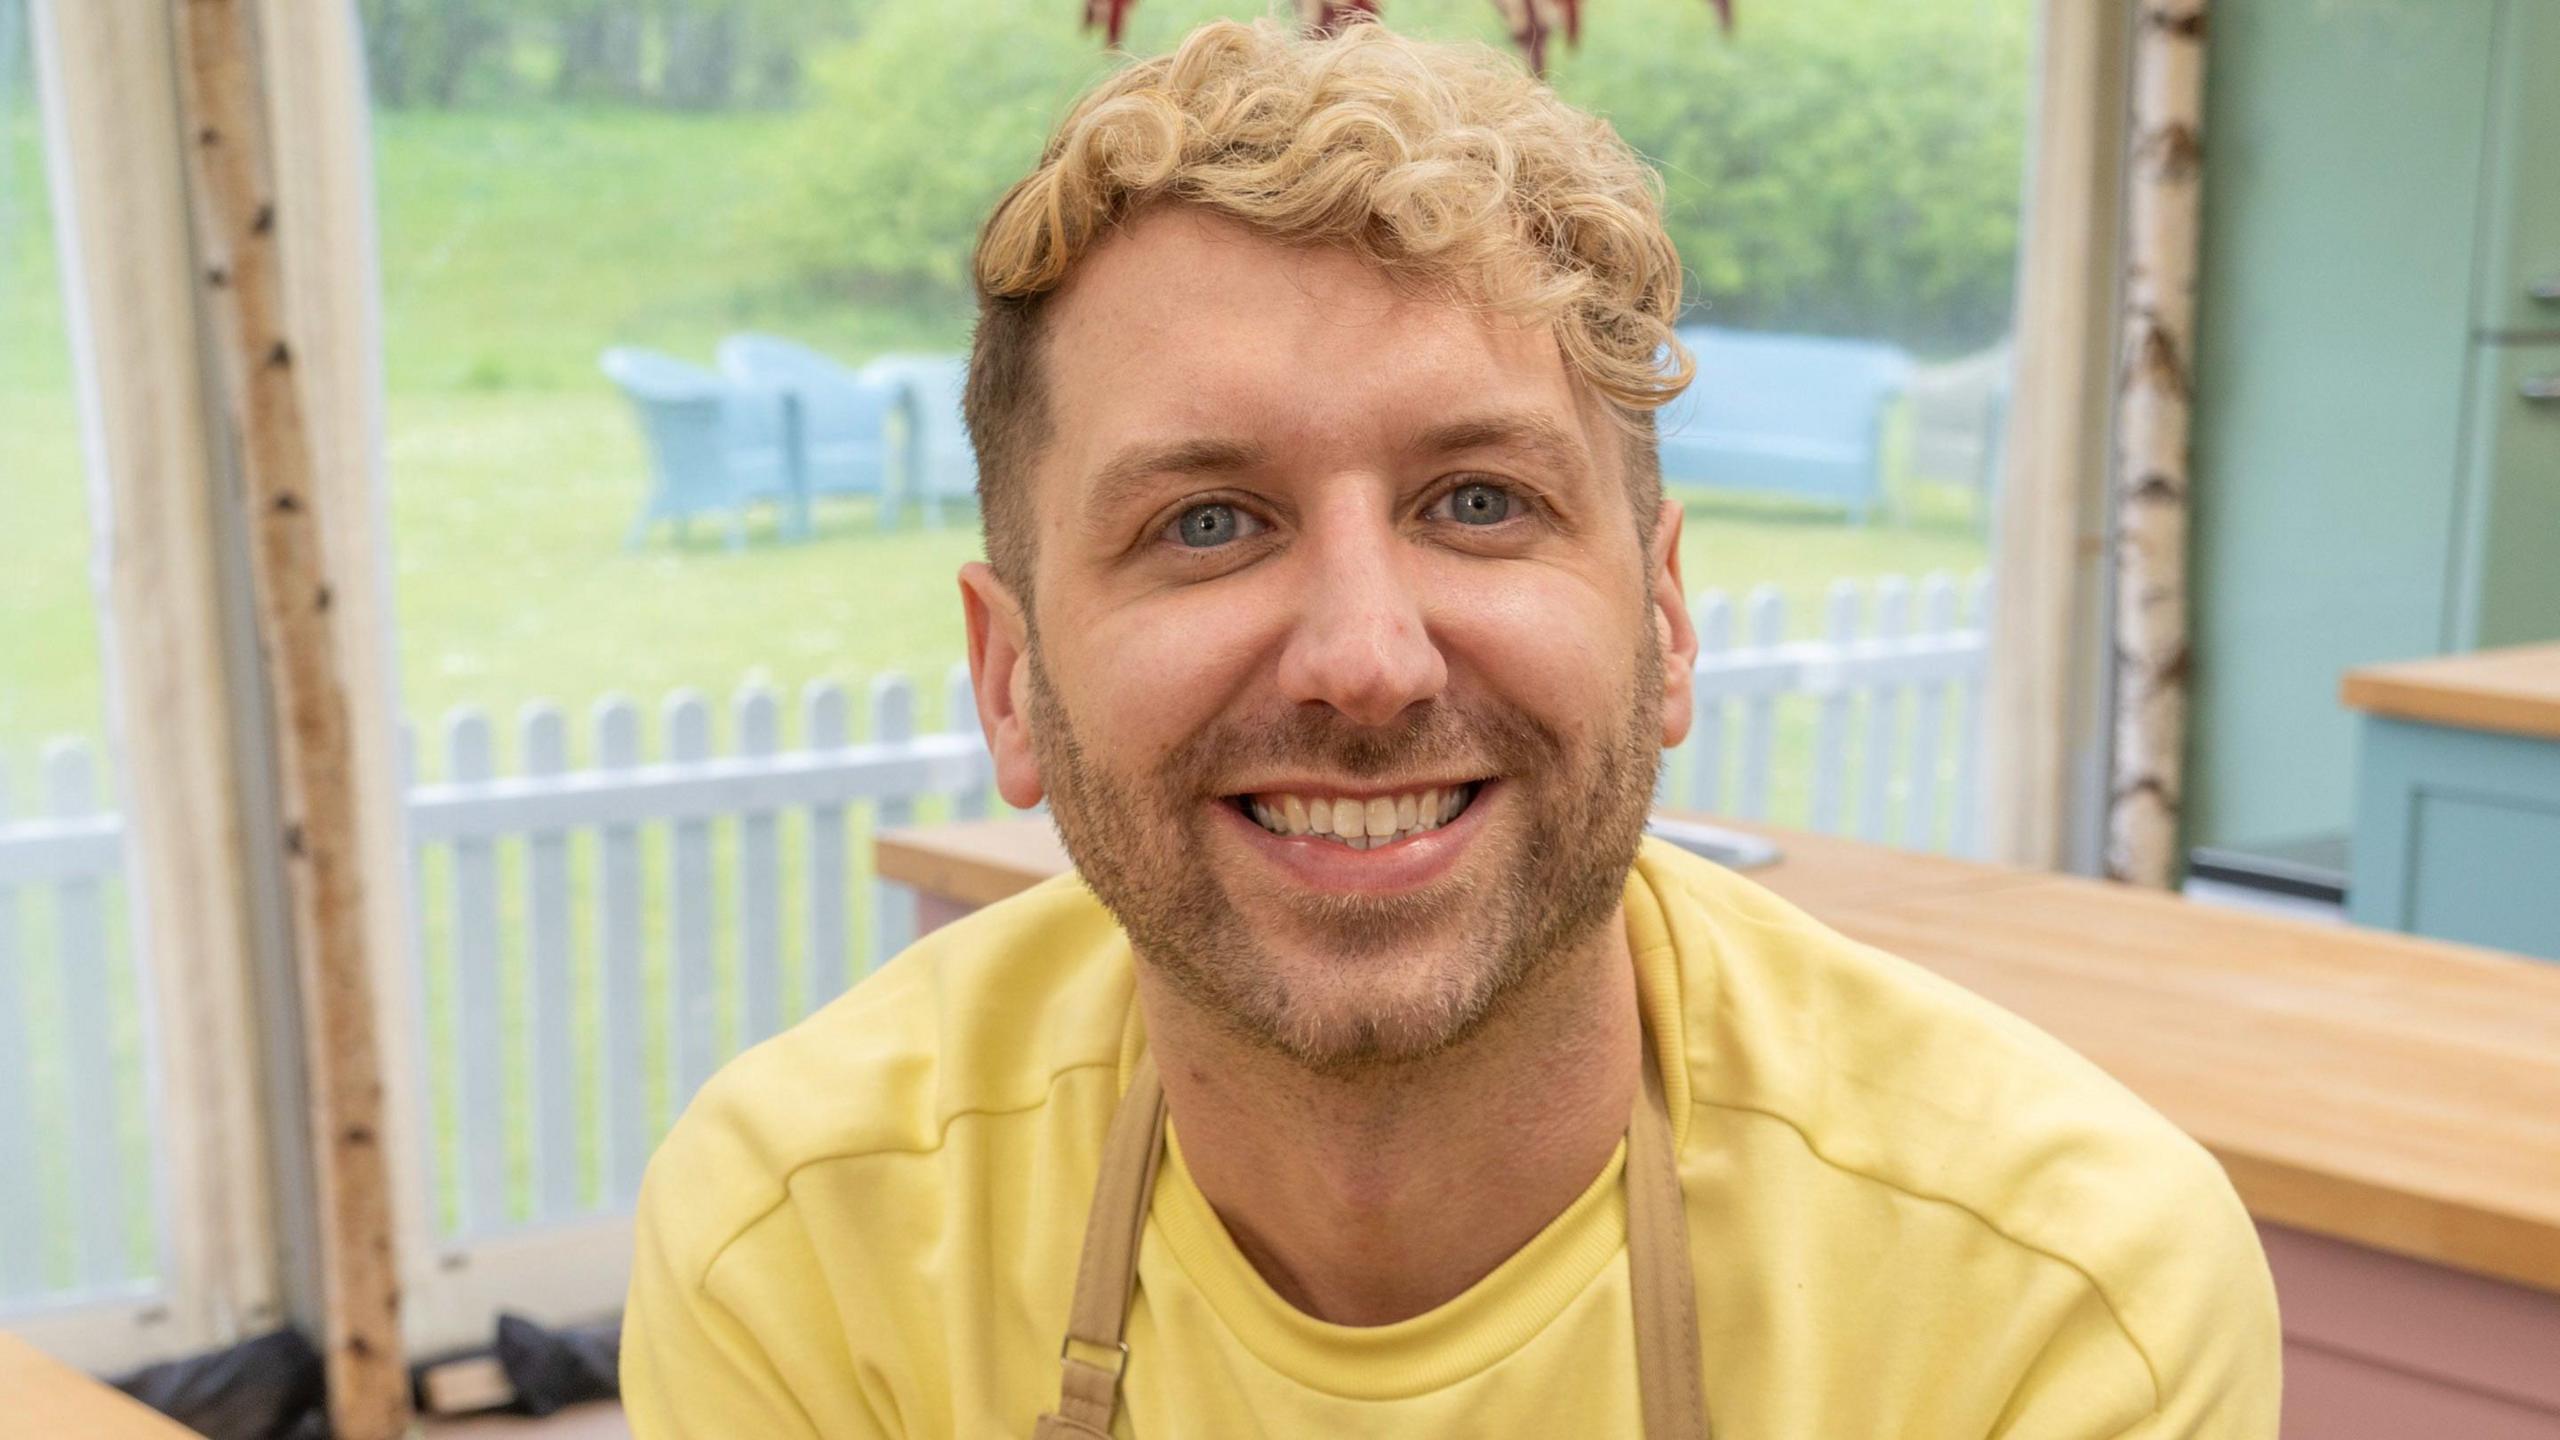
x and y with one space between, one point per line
1445 166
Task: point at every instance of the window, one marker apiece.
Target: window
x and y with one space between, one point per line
78 1167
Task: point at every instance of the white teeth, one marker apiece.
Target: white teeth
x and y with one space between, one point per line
1382 816
1360 824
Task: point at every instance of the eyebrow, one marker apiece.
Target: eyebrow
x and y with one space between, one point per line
1134 472
1531 434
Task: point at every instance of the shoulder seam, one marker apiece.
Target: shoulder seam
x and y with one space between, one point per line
782 1183
2150 1370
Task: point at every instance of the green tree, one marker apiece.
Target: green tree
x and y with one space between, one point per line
682 54
426 51
601 45
915 130
1836 166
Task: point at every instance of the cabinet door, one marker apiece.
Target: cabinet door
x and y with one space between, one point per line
2519 283
2510 591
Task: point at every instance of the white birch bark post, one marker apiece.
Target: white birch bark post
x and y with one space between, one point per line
2153 410
242 290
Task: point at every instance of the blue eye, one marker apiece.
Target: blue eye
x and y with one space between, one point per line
1206 527
1481 504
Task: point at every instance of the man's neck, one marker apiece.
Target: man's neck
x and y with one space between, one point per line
1370 1199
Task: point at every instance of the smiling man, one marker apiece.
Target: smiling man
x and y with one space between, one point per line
1376 1078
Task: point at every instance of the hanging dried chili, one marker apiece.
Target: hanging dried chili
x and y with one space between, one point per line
1530 21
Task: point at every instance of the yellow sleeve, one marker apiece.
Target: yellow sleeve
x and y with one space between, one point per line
2191 1327
690 1369
2211 1330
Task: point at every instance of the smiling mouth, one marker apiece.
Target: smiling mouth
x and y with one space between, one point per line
1359 823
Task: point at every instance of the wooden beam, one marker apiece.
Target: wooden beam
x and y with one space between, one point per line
241 288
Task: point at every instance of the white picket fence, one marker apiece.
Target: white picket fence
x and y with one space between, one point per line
75 1154
591 941
1897 713
728 829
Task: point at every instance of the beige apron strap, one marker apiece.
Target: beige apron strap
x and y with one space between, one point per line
1666 1289
1666 1301
1098 1316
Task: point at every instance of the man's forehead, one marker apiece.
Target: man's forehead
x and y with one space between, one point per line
1191 328
1171 261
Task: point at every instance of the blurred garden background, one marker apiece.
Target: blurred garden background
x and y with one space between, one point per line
560 176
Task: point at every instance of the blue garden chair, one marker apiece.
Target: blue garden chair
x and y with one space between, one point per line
938 464
845 442
715 447
1795 415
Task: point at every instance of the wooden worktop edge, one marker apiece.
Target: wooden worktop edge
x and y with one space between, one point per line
2452 692
2458 1235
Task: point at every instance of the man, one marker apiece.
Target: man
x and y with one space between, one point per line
1334 609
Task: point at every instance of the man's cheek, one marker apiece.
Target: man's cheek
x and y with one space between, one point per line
1537 630
1169 678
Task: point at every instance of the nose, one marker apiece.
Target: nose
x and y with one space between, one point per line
1360 643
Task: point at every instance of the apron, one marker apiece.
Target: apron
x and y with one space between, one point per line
1665 1298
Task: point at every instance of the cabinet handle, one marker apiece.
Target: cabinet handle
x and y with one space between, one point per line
2545 290
2541 389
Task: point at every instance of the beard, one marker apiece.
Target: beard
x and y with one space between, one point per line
1342 984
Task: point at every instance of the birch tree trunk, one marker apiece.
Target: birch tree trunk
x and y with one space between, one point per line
255 356
2153 411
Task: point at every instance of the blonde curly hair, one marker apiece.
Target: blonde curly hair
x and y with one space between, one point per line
1446 166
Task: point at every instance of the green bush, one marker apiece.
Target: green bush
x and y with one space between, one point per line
1837 166
914 131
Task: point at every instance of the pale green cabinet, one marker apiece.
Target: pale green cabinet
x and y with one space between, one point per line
2520 244
2508 571
2458 835
2511 494
2381 214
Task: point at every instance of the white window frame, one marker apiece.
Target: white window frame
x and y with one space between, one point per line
111 126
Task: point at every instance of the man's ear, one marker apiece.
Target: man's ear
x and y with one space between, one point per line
1000 674
1672 626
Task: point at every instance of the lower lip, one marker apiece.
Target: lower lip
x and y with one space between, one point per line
1336 868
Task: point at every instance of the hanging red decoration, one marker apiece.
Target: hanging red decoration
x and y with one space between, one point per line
1324 17
1111 15
1531 21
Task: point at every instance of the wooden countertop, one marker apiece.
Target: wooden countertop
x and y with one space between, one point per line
2400 1093
40 1395
2514 691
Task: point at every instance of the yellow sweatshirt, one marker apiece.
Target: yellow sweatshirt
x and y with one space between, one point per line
1911 1214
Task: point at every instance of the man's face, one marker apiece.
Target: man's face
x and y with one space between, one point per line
1349 677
